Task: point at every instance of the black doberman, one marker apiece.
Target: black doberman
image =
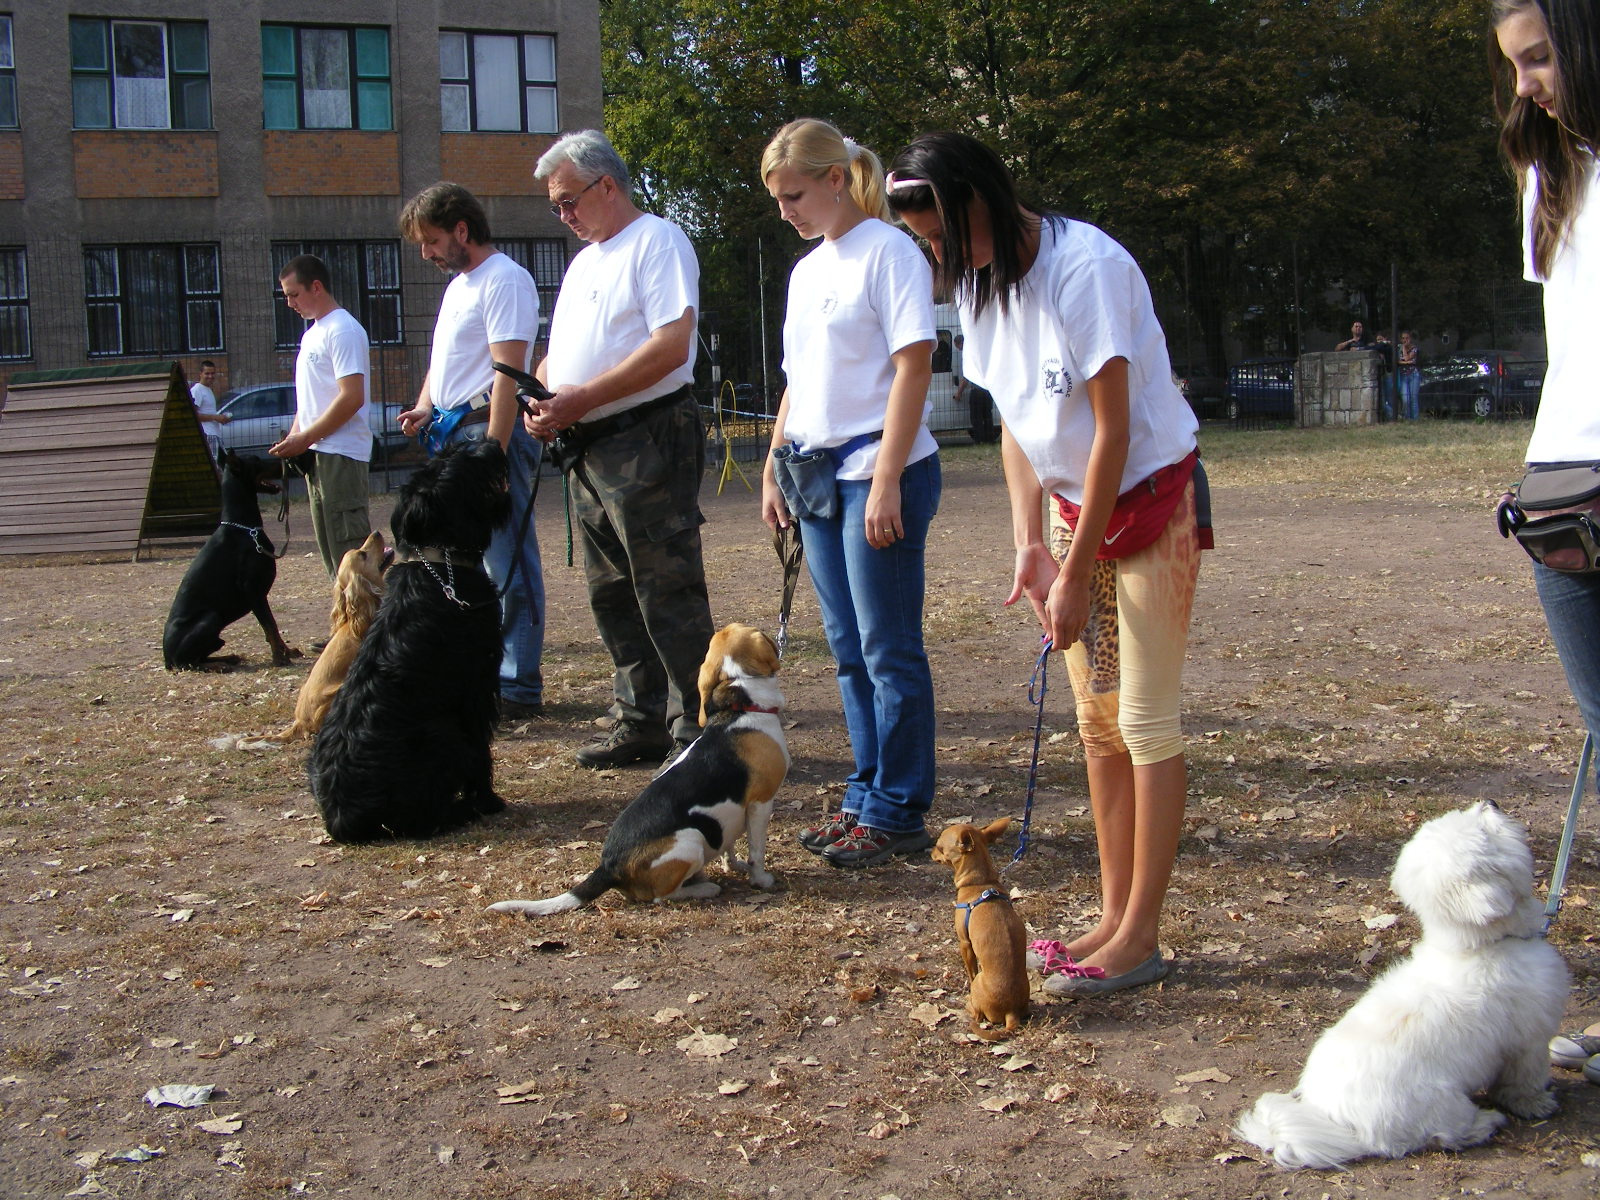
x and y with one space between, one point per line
230 576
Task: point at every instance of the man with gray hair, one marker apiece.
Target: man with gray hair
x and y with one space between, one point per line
620 364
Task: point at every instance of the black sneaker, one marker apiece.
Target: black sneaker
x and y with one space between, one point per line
514 710
624 745
867 847
819 837
680 747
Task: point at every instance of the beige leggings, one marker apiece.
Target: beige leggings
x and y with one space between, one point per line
1127 667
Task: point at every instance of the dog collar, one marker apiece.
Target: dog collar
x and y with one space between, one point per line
988 894
753 708
256 533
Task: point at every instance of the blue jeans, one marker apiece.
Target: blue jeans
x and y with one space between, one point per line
1410 381
1572 610
872 612
521 608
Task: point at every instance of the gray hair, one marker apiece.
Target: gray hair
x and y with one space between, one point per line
590 155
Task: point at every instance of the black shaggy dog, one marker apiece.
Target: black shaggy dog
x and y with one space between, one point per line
404 749
230 576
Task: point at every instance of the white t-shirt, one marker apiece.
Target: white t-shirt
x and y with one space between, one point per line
1568 425
334 347
1083 303
496 301
205 401
615 294
853 302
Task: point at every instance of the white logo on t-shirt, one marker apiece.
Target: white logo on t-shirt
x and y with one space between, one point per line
1057 383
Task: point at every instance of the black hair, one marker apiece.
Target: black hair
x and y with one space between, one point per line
944 173
306 269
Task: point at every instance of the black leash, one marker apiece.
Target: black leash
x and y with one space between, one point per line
1041 673
1558 875
787 542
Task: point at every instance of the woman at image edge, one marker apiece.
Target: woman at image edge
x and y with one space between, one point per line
858 338
1059 326
1550 131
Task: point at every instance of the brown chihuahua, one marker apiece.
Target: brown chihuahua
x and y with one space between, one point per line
988 930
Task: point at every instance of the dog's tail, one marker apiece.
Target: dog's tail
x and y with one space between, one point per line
598 883
1298 1135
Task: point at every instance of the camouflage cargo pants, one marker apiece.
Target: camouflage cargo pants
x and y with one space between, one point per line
637 496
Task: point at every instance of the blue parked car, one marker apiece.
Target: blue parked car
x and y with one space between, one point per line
1261 389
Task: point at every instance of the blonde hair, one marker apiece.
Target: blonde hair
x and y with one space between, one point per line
813 147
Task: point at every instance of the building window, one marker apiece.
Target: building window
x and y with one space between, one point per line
497 81
546 260
8 76
15 339
140 74
153 299
314 77
366 280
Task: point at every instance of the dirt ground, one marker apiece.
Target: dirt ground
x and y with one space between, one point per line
1366 653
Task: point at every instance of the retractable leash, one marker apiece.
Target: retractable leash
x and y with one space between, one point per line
1558 875
786 541
1038 687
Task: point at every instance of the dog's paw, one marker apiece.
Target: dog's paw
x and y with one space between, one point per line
765 880
1530 1106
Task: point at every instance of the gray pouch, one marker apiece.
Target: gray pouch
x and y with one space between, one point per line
806 479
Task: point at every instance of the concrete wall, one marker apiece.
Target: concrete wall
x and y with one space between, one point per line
1335 387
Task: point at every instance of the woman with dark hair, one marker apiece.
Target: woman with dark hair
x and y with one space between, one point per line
858 337
1550 109
1060 328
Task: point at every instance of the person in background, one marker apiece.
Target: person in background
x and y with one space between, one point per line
1410 376
205 407
1061 328
1550 134
1358 339
1385 349
330 420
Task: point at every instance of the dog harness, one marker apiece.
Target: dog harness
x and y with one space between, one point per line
988 894
256 533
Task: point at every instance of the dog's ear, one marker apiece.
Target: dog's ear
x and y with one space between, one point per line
994 829
968 839
711 677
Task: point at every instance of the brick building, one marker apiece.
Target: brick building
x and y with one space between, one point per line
161 159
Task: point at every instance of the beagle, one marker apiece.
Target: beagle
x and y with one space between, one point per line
719 788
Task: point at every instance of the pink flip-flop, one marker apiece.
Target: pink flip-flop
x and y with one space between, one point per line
1051 958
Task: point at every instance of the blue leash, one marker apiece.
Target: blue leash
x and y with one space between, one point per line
1038 687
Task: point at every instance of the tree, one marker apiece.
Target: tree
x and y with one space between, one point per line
1225 142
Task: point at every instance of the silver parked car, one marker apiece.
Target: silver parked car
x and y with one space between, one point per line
260 416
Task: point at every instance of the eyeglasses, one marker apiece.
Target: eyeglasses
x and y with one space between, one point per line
563 208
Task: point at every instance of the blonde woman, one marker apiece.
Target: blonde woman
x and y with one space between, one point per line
858 337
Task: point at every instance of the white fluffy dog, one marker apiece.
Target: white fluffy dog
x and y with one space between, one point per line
1471 1011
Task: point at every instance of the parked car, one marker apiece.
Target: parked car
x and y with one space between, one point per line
1205 390
1261 389
260 416
1481 383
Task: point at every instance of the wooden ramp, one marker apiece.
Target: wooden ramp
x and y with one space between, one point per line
101 460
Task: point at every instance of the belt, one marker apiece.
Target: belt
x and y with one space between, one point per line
474 416
586 433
